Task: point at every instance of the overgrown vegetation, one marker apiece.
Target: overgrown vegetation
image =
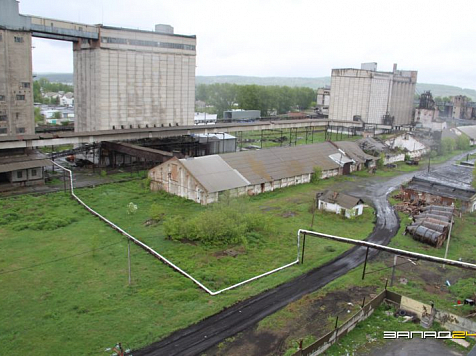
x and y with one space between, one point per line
316 175
84 303
223 223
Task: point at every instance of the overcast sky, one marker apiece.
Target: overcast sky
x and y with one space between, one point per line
292 38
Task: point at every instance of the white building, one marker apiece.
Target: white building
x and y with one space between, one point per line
340 203
375 97
411 145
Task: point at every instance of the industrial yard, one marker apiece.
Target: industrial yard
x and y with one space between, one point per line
73 290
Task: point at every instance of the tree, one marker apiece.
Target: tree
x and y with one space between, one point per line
39 119
447 146
462 143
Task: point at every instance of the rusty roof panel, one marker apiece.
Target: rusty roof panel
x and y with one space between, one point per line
281 162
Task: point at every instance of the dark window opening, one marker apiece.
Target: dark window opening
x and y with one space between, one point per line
3 130
19 174
25 85
33 172
2 97
18 39
20 97
20 130
3 117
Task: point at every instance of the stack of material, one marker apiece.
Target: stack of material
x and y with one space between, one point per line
432 225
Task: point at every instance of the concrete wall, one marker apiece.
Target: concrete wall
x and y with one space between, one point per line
402 96
371 95
134 79
16 86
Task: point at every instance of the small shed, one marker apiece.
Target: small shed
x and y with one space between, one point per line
340 203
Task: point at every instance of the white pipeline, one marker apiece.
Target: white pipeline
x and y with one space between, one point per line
162 258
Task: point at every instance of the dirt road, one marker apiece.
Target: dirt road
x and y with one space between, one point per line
203 335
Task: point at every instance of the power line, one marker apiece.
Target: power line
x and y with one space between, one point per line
59 259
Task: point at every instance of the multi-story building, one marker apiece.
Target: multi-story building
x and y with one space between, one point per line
16 94
323 99
123 78
134 79
372 96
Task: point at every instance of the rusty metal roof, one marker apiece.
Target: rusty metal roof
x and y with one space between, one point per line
282 162
213 173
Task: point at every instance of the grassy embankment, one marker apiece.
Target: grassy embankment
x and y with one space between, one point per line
83 304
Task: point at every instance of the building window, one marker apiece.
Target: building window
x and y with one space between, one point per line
18 39
25 85
3 130
3 117
20 97
19 174
20 130
2 97
33 172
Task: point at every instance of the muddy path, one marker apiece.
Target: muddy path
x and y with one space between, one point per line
199 337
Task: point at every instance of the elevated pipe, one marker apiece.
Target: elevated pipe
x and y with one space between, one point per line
397 251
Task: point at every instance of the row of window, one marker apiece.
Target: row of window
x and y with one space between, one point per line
133 42
20 130
18 97
34 173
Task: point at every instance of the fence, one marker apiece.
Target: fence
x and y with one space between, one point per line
447 320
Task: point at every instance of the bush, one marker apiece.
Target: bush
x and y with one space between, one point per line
317 175
218 225
462 143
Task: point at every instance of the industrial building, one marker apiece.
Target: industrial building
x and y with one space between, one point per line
22 167
459 107
133 79
205 179
431 188
16 88
372 96
426 114
123 78
323 100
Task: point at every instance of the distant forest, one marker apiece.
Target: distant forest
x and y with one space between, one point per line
313 83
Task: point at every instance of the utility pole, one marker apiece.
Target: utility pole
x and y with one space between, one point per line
449 237
129 258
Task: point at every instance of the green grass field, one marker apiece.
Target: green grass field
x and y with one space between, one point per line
64 278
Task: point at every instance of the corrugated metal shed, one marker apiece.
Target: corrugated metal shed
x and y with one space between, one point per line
282 162
214 173
441 186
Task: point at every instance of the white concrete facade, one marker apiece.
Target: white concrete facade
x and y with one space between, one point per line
134 79
371 95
